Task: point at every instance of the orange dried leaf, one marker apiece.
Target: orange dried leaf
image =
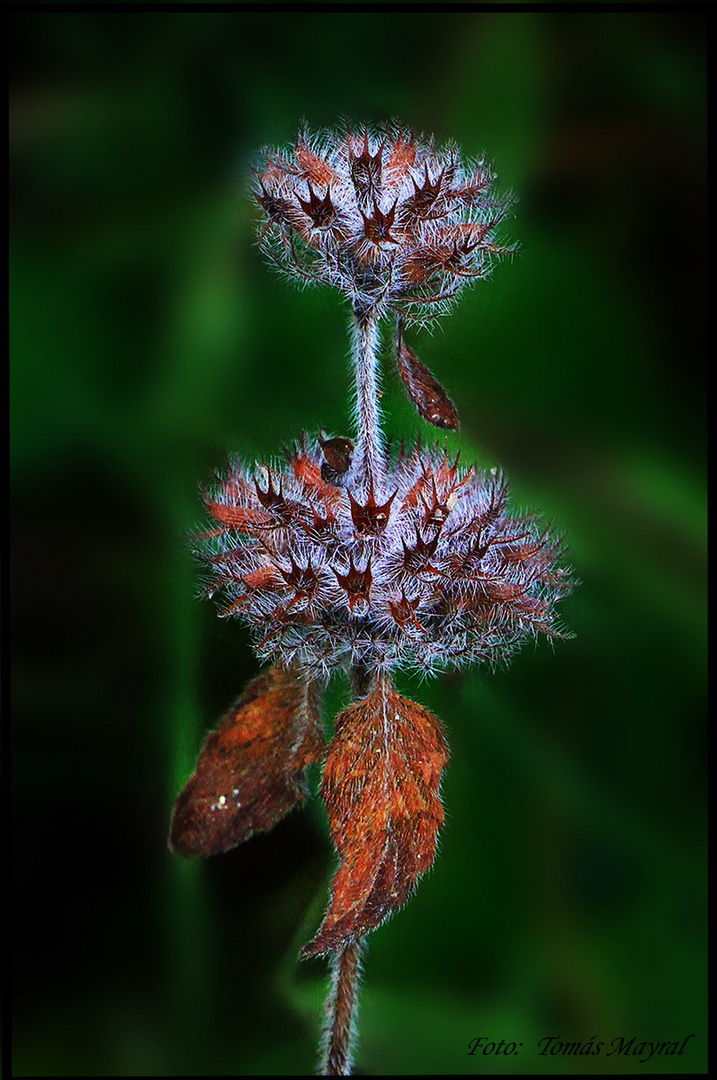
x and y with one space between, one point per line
251 770
238 517
425 391
265 576
309 473
403 156
313 167
381 788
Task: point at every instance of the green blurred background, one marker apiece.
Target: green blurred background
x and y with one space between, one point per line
147 336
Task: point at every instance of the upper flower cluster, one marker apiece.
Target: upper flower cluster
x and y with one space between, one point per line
387 218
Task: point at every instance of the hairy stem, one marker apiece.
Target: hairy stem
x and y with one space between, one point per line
369 458
341 1008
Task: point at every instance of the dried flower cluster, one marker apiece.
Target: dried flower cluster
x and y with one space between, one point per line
431 571
384 216
345 557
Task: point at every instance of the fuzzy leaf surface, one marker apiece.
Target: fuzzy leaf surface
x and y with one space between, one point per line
381 787
251 769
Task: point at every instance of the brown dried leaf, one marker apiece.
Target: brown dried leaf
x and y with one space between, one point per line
313 167
424 390
251 770
310 476
381 788
337 458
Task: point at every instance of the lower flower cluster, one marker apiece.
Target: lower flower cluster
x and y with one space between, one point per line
430 571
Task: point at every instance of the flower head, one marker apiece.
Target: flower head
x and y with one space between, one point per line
384 216
429 572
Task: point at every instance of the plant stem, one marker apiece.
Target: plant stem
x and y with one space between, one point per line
369 458
341 1008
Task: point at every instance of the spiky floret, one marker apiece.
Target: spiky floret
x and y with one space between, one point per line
432 571
384 216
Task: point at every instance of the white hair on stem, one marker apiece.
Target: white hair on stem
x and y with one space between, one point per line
369 462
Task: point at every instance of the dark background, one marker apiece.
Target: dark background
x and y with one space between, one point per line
147 336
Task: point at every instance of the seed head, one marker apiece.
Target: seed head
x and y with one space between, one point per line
392 222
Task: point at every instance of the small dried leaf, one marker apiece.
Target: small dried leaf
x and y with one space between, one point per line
402 157
310 476
313 167
337 458
424 390
250 772
381 788
243 518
